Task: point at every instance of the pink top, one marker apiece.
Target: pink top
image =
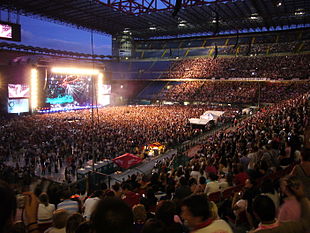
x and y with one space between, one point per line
289 211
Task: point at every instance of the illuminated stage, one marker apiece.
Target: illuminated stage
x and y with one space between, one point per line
54 89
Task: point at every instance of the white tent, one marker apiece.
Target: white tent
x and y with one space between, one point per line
206 117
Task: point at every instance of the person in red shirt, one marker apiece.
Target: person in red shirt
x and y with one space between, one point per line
241 176
130 197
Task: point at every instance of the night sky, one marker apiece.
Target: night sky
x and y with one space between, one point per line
40 33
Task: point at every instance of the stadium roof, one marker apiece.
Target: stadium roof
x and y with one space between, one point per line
158 18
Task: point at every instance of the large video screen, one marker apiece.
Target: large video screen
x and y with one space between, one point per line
106 89
10 31
68 90
106 100
18 105
18 90
6 31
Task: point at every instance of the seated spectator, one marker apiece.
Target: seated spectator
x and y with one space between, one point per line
213 185
90 204
192 184
290 210
223 181
154 225
195 172
264 209
197 216
130 197
116 188
73 222
45 212
241 176
268 190
302 170
68 204
59 222
84 227
139 217
213 210
200 188
112 215
183 190
166 212
149 201
248 195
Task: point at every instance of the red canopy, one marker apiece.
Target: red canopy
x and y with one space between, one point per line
127 160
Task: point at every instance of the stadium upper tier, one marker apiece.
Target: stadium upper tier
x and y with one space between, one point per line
250 67
295 41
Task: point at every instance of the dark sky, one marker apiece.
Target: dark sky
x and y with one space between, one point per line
46 34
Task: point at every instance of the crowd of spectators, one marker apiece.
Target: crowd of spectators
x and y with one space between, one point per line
44 144
179 200
235 91
270 67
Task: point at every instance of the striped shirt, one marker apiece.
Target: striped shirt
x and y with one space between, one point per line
69 205
45 213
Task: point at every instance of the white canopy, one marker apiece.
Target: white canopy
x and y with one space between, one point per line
206 117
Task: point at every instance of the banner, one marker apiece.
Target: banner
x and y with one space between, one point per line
127 160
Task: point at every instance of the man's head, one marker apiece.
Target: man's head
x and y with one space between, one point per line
126 187
249 183
139 213
264 208
288 184
60 218
112 215
195 210
165 211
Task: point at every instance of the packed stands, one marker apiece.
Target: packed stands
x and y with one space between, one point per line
270 67
290 42
241 92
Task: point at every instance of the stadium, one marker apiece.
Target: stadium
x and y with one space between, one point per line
198 120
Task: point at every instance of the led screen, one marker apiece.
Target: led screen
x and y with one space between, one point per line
18 90
106 99
6 31
18 105
10 31
65 90
106 89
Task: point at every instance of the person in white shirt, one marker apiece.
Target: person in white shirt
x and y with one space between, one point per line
45 212
91 203
195 172
213 185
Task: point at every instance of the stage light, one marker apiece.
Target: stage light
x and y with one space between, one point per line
254 16
34 89
77 71
299 12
